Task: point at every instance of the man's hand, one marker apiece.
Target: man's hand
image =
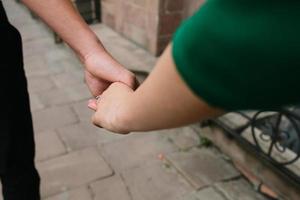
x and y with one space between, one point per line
111 107
101 70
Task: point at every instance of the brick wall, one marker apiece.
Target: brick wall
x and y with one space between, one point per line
150 23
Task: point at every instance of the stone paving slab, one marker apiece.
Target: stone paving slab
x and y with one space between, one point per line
68 79
65 95
39 84
205 194
36 66
111 188
39 46
84 134
155 180
72 170
76 194
48 145
135 150
53 117
202 167
238 189
35 103
82 112
184 138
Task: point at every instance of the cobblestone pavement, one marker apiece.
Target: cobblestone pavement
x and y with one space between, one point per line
80 162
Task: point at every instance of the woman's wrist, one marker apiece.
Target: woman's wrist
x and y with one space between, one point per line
124 119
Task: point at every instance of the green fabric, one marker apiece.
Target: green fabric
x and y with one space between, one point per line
242 54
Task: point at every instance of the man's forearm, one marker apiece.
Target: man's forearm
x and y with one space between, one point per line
63 18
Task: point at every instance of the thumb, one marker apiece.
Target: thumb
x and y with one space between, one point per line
104 66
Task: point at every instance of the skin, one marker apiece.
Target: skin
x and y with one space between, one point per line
101 69
162 101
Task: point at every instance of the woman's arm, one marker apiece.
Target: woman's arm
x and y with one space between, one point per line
63 18
162 101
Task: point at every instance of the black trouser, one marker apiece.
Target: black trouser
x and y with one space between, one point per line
20 179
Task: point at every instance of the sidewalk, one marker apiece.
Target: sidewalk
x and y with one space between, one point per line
77 161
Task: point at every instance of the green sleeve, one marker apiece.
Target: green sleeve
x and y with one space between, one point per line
239 56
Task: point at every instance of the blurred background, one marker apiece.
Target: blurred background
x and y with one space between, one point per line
244 155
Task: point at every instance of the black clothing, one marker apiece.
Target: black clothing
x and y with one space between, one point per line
19 177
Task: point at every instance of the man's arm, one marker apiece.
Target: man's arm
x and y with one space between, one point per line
64 19
162 101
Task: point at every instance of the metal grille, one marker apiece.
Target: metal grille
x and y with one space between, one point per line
274 136
89 9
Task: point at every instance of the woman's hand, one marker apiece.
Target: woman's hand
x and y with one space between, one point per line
110 108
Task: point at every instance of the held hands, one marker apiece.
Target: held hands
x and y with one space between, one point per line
110 108
105 77
101 70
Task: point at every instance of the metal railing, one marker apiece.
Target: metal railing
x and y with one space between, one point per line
273 136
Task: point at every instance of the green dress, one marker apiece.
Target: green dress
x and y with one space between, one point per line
242 54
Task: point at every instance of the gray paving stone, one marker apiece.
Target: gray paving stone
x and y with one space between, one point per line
16 14
53 117
153 180
38 84
111 188
147 60
82 111
37 47
74 77
184 138
32 31
135 149
58 55
56 96
36 66
204 194
65 95
35 103
48 145
76 194
72 170
85 134
202 167
65 65
79 136
239 189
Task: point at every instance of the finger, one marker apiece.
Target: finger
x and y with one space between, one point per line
112 71
92 104
95 84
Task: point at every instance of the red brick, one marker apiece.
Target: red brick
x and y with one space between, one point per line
174 5
169 23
